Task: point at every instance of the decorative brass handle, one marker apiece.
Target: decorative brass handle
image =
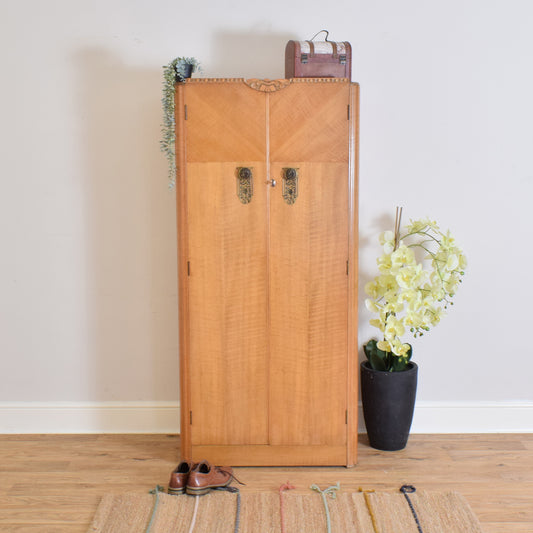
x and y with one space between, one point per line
245 184
290 185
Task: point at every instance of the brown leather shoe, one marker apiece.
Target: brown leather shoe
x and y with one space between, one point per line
205 477
179 477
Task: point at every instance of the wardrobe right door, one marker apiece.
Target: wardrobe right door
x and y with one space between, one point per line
308 268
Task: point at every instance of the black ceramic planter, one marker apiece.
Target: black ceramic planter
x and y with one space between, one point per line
388 405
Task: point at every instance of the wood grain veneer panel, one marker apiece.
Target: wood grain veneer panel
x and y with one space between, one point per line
353 195
225 122
268 345
225 128
309 250
227 303
309 122
272 455
308 302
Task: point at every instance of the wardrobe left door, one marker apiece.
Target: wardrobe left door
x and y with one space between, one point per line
224 187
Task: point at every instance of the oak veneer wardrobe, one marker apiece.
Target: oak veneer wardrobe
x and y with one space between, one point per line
267 246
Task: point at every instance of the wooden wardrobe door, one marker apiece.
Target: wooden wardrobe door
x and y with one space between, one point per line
227 249
309 251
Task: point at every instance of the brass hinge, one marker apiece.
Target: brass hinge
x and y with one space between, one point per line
346 416
348 112
347 267
188 268
185 112
190 418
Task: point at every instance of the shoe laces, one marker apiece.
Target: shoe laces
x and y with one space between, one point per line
230 473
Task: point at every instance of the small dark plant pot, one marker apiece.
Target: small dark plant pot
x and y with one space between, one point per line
388 405
185 71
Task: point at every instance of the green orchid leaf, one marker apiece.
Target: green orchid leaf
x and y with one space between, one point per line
370 347
377 358
409 354
379 363
399 364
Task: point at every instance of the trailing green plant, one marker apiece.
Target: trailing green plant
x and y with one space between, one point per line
174 72
405 295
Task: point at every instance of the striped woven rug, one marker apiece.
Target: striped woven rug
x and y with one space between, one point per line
319 511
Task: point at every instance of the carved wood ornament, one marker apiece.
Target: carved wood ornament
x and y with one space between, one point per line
267 86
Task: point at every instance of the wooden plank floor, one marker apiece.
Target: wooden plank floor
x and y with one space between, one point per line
53 483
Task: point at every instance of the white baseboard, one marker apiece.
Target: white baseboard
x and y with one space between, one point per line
163 417
472 417
89 417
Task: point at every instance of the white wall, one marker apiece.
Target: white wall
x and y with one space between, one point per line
88 296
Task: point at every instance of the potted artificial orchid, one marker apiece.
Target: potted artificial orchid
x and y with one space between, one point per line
419 272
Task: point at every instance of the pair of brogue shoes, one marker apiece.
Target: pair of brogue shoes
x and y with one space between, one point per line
198 478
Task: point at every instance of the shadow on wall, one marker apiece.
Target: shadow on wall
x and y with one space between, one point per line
131 236
248 55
